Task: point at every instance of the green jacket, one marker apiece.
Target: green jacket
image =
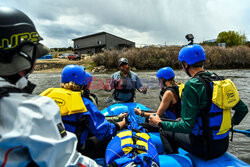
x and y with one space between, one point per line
194 99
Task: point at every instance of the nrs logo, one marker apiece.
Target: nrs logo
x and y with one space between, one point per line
16 39
59 102
230 96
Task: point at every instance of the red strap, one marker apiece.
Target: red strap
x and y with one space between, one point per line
81 165
7 154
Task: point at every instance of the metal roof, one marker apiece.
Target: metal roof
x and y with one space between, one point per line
99 33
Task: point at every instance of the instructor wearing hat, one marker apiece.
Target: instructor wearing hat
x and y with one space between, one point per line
125 82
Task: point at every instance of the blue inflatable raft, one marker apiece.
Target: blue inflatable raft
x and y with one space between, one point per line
183 159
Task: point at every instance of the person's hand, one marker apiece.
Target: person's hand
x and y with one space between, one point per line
154 119
123 123
178 119
143 90
123 115
137 111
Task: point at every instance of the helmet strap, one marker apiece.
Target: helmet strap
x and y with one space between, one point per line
22 83
186 69
12 78
31 60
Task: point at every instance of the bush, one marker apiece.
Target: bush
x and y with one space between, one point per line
153 58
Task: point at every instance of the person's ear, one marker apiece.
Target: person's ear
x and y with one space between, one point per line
185 64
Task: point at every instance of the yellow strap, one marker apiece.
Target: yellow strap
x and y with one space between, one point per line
125 133
226 122
124 142
181 87
143 135
69 102
143 143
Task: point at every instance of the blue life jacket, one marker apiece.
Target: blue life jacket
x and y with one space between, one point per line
213 122
132 146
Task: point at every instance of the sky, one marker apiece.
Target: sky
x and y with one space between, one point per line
145 22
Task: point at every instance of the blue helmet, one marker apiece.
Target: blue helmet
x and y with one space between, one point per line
88 78
73 73
165 72
192 54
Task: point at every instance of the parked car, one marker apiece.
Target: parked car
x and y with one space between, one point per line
74 57
62 56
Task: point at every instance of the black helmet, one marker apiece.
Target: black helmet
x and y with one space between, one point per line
122 61
19 41
15 28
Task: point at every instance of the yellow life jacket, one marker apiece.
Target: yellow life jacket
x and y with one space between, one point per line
69 102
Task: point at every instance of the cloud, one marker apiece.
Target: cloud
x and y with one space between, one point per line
141 21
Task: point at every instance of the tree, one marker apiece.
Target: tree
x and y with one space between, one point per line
70 48
231 38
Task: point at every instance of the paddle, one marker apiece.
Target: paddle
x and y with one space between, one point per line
245 132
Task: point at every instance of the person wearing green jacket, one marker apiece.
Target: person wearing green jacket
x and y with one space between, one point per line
204 127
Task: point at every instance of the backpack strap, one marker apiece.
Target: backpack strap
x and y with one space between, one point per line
204 113
4 91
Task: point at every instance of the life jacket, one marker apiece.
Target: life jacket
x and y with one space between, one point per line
214 122
71 108
69 102
131 147
174 110
124 91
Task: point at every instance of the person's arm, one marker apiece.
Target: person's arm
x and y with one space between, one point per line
240 112
110 85
139 86
189 110
143 113
167 99
98 125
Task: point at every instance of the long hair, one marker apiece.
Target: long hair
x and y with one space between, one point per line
71 86
173 82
